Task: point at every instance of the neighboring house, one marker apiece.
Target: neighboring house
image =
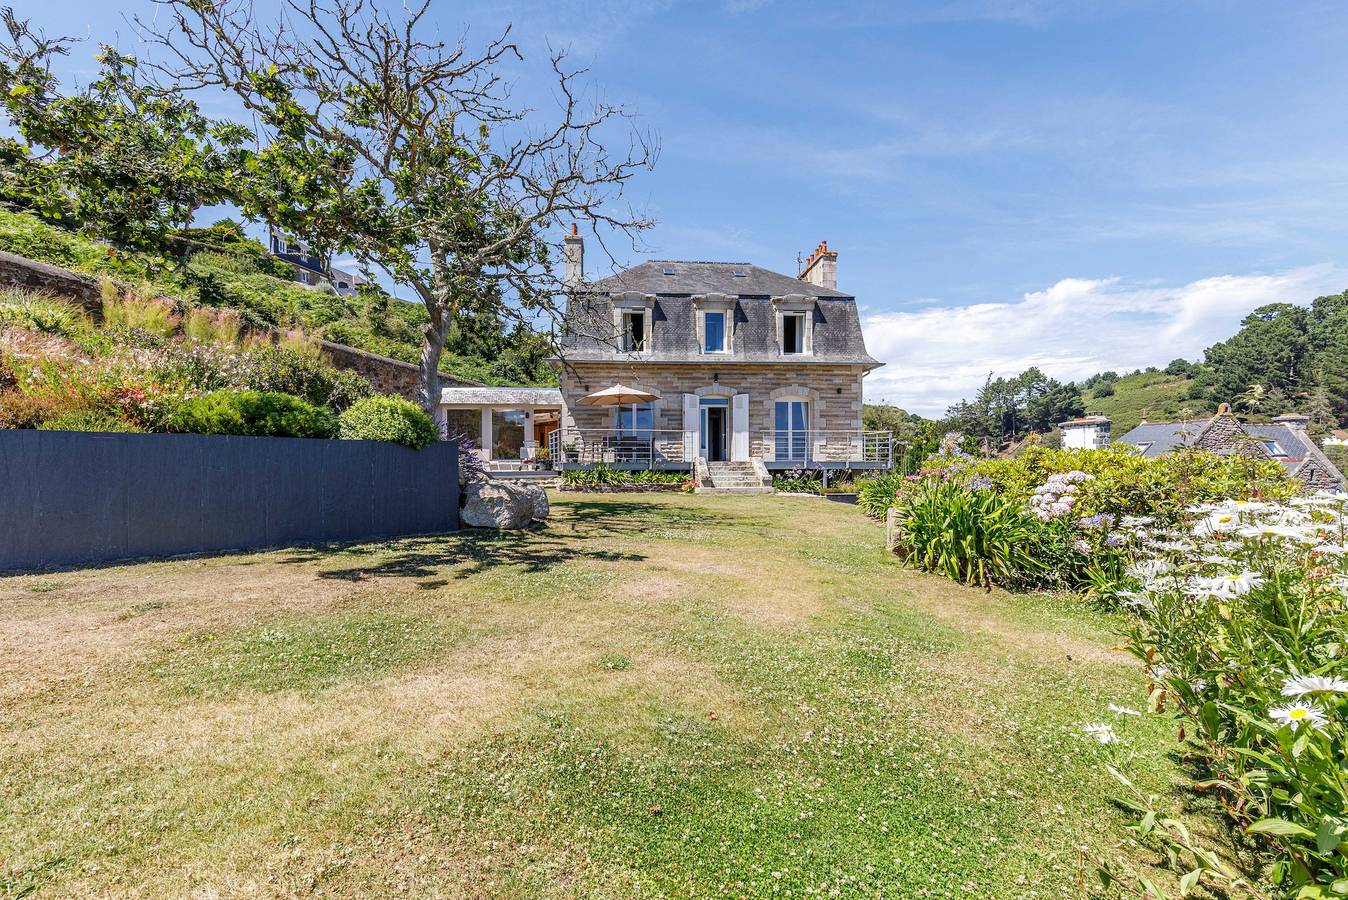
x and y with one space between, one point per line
1085 433
746 370
308 268
1284 439
1336 438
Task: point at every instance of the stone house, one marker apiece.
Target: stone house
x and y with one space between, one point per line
1285 439
746 370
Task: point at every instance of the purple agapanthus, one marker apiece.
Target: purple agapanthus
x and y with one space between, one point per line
981 483
1097 522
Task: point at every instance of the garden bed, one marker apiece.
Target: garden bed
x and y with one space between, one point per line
673 487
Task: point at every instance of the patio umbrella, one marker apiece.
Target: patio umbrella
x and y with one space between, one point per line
618 395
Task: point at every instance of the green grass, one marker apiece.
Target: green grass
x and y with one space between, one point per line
656 695
1154 396
298 655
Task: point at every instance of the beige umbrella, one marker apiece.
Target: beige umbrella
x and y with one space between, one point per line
618 395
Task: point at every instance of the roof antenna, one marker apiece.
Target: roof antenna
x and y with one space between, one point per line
800 263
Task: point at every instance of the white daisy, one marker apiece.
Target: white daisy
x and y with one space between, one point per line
1298 714
1102 732
1123 710
1225 587
1220 522
1298 685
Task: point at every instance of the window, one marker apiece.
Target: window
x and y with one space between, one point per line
464 425
1274 448
713 332
636 420
793 333
1143 448
792 420
507 433
634 332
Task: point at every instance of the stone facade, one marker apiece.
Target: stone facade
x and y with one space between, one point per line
832 391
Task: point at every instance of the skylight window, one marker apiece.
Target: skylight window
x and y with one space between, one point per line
1274 448
668 270
740 273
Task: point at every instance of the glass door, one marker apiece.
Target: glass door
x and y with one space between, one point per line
792 430
715 427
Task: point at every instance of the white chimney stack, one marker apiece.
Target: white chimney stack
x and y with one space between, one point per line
575 259
821 269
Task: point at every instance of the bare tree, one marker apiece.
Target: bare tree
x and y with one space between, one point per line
409 153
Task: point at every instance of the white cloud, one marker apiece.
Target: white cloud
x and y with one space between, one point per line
1071 330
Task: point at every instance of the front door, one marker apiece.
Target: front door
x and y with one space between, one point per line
792 430
715 429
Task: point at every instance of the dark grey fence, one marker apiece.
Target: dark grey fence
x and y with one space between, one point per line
72 498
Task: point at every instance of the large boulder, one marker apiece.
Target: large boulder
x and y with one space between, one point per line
497 503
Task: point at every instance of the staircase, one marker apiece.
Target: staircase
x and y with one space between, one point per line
734 478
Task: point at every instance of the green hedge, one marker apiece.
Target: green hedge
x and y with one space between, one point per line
387 419
257 413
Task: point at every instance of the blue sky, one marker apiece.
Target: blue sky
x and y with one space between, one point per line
1075 185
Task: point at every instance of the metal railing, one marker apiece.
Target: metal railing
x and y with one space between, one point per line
644 447
648 447
827 446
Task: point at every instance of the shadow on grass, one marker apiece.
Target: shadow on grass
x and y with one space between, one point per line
469 553
578 530
638 517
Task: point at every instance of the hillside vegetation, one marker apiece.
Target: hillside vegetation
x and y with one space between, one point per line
1153 396
219 267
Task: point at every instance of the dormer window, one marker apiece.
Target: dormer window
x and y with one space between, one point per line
714 320
795 321
634 331
793 332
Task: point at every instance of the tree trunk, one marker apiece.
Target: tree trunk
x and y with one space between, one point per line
436 332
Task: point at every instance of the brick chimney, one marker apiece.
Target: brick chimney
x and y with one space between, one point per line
821 269
574 252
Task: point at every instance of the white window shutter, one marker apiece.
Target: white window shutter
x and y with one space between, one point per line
739 428
692 426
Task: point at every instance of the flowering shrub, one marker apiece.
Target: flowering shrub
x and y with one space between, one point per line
1125 483
1240 615
1054 497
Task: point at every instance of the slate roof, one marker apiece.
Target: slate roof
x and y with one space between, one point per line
706 278
1164 436
836 331
499 396
1167 436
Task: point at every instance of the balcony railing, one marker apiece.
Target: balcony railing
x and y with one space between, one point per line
640 447
653 447
827 446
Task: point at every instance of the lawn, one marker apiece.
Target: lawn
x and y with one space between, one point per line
654 695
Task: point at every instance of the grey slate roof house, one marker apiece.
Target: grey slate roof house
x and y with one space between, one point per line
1284 439
742 369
